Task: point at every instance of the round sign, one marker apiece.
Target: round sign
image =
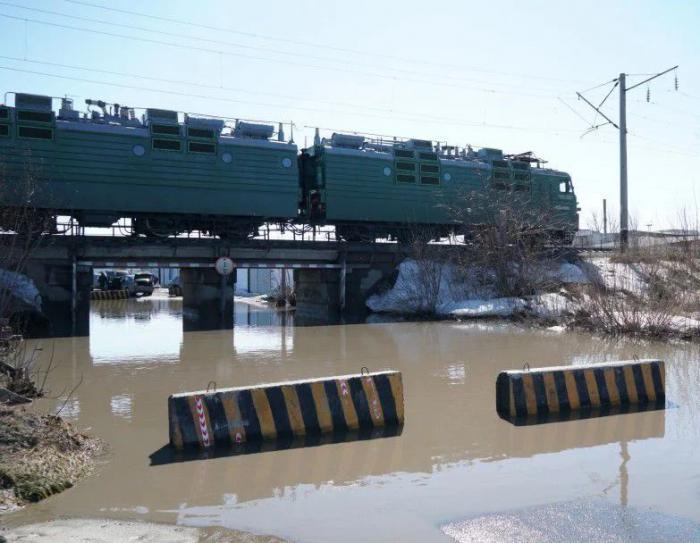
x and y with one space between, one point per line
224 265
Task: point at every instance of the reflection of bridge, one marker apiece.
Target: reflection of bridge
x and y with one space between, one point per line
330 277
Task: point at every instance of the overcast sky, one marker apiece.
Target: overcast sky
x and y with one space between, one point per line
498 74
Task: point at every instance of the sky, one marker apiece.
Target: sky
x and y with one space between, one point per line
498 74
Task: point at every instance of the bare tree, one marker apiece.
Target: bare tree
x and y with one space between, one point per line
21 228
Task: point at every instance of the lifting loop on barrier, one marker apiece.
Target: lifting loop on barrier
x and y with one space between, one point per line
364 370
526 366
211 388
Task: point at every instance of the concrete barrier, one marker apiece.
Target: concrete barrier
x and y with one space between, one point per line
288 410
560 390
109 294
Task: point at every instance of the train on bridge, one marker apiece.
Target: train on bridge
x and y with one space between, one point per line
171 173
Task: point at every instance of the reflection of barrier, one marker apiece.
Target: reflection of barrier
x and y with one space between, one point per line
109 294
599 389
168 455
281 411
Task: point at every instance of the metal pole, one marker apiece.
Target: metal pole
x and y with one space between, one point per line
623 165
74 295
605 217
283 285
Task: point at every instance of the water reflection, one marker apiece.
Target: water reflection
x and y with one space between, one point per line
135 331
454 458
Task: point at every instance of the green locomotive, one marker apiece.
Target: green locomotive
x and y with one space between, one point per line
171 174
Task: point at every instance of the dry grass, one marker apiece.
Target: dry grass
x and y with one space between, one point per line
40 455
655 292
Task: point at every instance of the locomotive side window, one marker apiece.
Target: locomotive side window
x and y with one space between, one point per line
406 166
34 116
29 132
4 130
197 147
402 178
165 129
429 174
403 153
4 113
202 133
166 145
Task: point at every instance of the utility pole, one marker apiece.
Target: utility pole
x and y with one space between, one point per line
605 217
624 233
621 81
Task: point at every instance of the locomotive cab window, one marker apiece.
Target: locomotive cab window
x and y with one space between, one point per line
4 113
4 130
564 186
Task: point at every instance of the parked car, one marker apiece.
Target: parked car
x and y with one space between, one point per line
142 284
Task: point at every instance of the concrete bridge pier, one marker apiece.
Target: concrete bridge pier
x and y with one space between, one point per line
65 299
207 299
330 295
317 295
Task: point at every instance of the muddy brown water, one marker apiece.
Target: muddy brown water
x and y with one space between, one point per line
455 459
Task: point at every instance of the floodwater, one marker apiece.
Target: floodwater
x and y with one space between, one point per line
455 459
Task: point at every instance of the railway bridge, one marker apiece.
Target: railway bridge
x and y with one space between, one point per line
331 278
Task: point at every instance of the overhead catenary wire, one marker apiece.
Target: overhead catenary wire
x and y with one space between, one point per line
285 62
315 45
250 47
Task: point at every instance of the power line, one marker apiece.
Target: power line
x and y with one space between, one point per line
312 44
622 128
285 62
245 46
295 107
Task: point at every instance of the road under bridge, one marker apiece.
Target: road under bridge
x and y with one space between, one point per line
331 278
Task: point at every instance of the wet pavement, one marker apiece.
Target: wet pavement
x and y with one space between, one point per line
456 464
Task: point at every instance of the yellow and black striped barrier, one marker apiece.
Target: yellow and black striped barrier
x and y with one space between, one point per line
284 411
109 294
565 390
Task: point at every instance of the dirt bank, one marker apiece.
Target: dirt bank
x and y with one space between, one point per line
109 531
40 455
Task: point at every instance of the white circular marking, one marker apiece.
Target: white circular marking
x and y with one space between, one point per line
447 177
387 171
224 265
227 158
287 162
138 150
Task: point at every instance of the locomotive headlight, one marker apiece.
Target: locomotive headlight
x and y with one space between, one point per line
447 177
227 158
138 150
387 171
287 162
